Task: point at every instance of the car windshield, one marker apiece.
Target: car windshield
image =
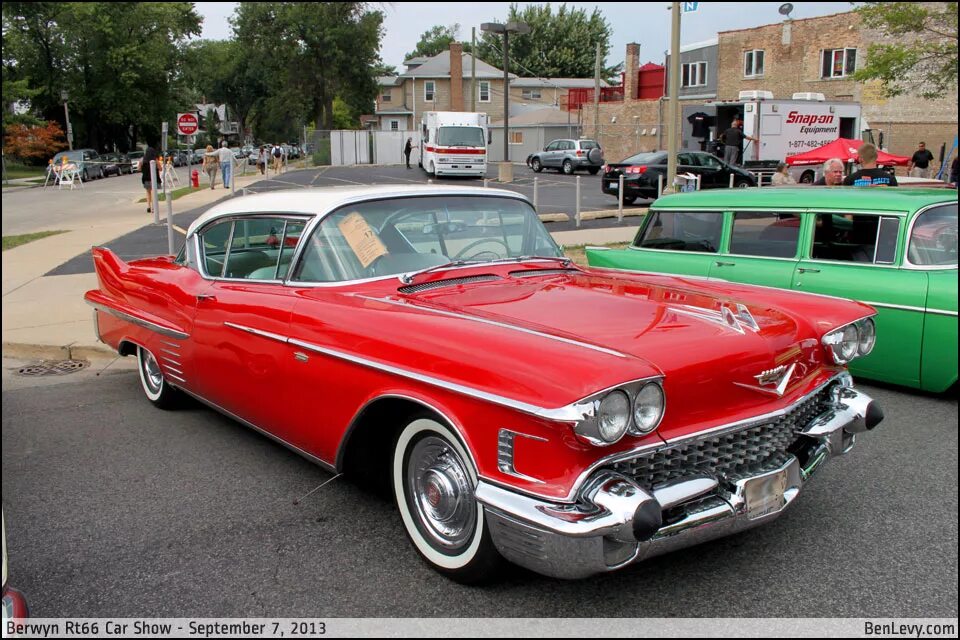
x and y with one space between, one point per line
401 235
647 158
461 137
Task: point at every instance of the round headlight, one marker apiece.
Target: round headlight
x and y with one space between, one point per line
868 336
613 416
648 407
849 343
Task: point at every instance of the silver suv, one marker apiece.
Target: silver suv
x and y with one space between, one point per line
568 155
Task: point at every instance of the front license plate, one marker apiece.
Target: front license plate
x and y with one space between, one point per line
764 495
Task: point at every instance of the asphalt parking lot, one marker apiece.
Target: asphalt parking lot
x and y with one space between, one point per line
555 193
115 508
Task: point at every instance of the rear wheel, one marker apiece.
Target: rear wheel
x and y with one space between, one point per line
433 485
536 165
629 199
155 386
807 177
567 167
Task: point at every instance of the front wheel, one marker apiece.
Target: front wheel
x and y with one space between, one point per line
155 386
741 184
433 484
536 165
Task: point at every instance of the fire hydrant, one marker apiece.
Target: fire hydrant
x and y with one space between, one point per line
195 179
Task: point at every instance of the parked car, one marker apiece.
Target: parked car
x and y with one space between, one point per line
568 156
115 164
570 420
895 249
136 157
87 161
641 173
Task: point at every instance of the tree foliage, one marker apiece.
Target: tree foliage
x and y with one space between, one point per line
918 48
33 141
435 41
559 45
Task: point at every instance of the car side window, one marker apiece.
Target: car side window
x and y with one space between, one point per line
765 234
256 248
698 231
687 159
552 146
214 242
855 238
708 161
933 240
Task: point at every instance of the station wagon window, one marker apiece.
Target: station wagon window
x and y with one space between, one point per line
400 235
682 231
855 238
765 233
933 240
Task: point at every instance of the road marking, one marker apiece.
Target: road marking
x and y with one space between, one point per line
343 180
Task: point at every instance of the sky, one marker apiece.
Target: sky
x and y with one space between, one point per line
646 23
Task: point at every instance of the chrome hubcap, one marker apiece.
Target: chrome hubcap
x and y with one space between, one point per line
154 376
441 492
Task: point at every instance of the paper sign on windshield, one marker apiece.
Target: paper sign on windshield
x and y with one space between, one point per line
362 239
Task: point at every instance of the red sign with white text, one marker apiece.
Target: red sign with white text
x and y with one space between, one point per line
187 124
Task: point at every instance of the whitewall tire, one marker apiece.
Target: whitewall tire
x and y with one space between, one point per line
155 386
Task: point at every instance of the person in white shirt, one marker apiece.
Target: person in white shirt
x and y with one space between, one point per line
226 162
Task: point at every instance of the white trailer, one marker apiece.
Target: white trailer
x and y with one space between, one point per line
454 143
782 128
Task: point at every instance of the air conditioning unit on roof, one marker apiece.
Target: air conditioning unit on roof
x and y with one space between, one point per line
756 95
809 95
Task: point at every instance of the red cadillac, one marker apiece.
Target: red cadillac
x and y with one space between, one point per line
570 420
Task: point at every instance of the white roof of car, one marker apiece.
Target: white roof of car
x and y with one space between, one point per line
313 201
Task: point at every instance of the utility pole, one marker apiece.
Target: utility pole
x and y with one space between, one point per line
473 70
596 98
674 72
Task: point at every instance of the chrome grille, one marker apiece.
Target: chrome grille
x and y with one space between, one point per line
729 455
452 282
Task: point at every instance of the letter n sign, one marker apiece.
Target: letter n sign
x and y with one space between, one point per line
690 7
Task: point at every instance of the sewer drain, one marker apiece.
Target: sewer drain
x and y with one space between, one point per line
53 368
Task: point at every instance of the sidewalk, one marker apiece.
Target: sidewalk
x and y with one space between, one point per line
45 317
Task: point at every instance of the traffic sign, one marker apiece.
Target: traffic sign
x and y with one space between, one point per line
187 124
690 7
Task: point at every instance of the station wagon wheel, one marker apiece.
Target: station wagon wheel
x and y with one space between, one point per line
536 165
433 484
155 387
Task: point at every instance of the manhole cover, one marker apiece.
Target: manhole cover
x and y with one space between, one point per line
53 368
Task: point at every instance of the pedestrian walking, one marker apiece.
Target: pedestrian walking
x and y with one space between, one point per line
211 164
225 156
407 148
149 154
919 165
870 175
277 154
262 160
733 142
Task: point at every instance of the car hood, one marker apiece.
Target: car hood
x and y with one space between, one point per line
709 341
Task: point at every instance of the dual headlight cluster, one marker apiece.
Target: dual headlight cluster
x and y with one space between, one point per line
635 408
851 341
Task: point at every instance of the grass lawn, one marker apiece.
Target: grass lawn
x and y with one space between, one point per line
23 184
9 242
177 193
21 171
578 253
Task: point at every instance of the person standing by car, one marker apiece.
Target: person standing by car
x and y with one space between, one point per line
149 154
407 149
870 175
832 173
733 142
211 164
919 165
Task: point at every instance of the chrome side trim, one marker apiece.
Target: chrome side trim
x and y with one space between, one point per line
495 323
505 461
175 345
96 325
140 322
258 332
903 307
167 367
246 423
177 378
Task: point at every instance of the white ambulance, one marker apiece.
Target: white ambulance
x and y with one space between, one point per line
454 143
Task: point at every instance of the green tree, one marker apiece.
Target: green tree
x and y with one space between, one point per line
918 48
434 41
561 45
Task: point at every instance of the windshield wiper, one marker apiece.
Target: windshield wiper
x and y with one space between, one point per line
407 278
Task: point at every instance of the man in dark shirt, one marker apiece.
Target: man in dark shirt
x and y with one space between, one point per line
832 173
919 165
870 175
149 154
733 142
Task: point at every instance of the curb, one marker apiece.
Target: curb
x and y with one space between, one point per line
593 215
22 351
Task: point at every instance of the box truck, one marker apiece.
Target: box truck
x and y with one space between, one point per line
454 143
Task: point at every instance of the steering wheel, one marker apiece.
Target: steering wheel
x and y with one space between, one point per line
462 254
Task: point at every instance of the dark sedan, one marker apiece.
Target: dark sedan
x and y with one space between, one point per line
116 164
641 173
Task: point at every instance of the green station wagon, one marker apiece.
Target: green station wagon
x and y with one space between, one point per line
895 249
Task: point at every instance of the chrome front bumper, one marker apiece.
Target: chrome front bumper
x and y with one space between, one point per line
616 522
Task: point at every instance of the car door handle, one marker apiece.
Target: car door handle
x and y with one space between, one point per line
205 296
725 264
805 270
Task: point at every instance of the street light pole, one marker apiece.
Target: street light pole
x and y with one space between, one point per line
506 29
66 112
673 107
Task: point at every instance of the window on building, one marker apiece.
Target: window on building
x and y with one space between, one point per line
385 96
394 125
753 63
516 137
531 94
429 88
693 74
484 89
837 63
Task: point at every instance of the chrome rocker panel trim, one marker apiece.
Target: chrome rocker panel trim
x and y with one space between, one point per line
616 522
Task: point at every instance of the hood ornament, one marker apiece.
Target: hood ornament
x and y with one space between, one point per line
778 376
